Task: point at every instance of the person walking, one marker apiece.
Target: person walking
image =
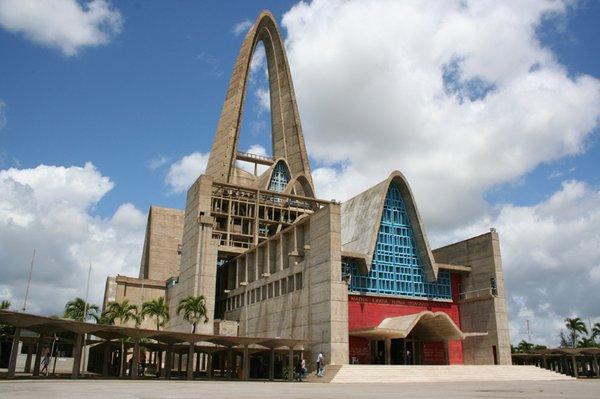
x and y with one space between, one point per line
45 363
301 370
320 364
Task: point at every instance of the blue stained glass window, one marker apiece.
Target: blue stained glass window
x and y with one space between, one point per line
396 267
279 178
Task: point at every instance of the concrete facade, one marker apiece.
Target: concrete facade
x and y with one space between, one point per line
481 309
162 245
269 263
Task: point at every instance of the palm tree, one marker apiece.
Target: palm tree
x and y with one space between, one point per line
76 308
194 310
123 312
586 342
5 304
596 331
524 346
156 308
576 327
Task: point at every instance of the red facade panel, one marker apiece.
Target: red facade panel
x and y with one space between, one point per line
368 311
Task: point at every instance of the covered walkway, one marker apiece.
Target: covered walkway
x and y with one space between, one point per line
576 362
216 352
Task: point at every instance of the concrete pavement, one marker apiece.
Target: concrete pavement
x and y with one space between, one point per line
124 389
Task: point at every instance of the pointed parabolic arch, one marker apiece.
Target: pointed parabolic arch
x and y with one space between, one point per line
287 137
361 219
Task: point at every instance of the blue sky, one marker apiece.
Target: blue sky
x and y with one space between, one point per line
157 89
136 89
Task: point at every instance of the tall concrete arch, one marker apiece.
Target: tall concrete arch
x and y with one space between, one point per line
287 137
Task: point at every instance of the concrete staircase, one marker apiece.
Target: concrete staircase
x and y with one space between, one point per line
355 373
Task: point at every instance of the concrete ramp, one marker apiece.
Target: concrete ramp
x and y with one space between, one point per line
355 373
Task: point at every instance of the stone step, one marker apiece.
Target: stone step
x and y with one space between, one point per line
352 373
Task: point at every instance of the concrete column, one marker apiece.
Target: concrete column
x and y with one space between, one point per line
179 362
77 356
198 359
544 362
229 363
596 366
136 358
291 364
190 362
280 252
27 368
246 370
106 359
14 353
168 362
271 364
209 367
38 356
158 357
574 362
388 351
267 265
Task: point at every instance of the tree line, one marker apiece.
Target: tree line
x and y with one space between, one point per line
577 336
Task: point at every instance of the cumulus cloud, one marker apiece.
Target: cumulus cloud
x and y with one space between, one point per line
428 88
50 208
63 24
462 97
185 171
241 27
551 257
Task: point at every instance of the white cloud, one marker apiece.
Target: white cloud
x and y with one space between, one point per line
255 149
63 24
49 208
158 162
550 255
428 88
185 171
263 97
241 27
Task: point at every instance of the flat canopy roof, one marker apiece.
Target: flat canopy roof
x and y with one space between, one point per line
561 351
48 325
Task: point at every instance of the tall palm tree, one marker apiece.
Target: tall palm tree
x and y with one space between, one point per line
576 327
156 308
194 310
5 304
123 312
77 309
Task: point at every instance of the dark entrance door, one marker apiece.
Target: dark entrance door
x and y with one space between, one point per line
406 351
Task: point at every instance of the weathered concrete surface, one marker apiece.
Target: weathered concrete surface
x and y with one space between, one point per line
287 137
161 253
483 312
27 389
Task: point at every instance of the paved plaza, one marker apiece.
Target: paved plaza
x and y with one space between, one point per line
25 389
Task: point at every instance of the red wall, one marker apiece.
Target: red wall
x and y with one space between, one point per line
369 311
